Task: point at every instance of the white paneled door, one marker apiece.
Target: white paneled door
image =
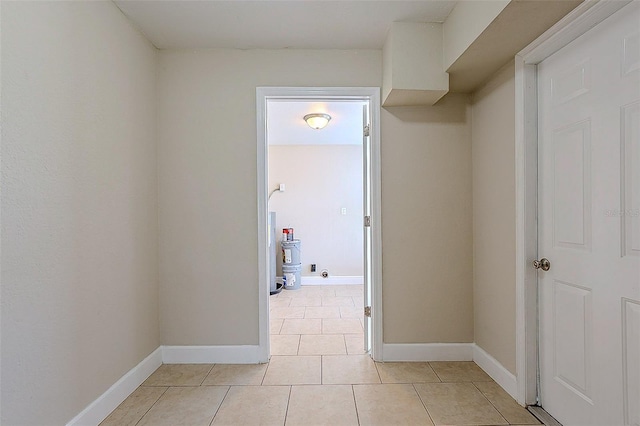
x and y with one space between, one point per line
589 225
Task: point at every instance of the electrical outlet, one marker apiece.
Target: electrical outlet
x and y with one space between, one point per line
313 267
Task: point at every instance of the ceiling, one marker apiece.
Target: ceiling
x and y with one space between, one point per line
267 24
333 24
285 125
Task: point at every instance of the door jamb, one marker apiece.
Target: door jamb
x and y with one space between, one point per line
573 25
372 95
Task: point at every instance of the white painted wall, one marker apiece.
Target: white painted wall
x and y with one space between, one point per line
494 217
79 206
320 181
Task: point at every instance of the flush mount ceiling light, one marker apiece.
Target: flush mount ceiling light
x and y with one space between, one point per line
317 121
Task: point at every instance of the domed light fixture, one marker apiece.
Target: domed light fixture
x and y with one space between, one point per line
317 120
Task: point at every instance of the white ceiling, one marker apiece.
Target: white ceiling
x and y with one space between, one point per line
267 24
285 125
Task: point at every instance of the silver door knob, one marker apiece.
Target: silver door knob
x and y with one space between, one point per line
543 264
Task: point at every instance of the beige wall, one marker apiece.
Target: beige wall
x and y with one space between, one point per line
79 206
426 223
208 186
465 23
208 219
320 180
493 131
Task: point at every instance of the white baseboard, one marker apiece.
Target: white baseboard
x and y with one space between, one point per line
238 354
495 370
343 280
99 409
427 351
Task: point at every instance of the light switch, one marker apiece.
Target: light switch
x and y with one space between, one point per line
343 211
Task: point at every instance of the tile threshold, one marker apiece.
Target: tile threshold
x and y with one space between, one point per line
540 414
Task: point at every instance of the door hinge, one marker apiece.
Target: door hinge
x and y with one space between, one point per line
366 131
367 221
367 311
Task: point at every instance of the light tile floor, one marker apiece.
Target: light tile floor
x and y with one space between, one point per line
319 374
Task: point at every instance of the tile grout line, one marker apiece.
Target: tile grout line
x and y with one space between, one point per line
221 402
152 405
355 403
492 404
286 412
207 375
377 371
265 372
436 373
424 404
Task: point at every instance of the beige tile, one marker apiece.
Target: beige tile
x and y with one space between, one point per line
285 344
306 301
279 302
355 343
337 301
293 370
348 312
254 405
275 324
317 291
323 312
406 372
459 371
321 405
349 291
331 344
134 407
236 374
358 301
287 312
458 403
348 369
507 406
302 326
341 326
190 406
393 404
178 375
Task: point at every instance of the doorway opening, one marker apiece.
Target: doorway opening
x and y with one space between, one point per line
323 184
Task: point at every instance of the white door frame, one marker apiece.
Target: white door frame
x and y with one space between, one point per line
372 95
579 21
